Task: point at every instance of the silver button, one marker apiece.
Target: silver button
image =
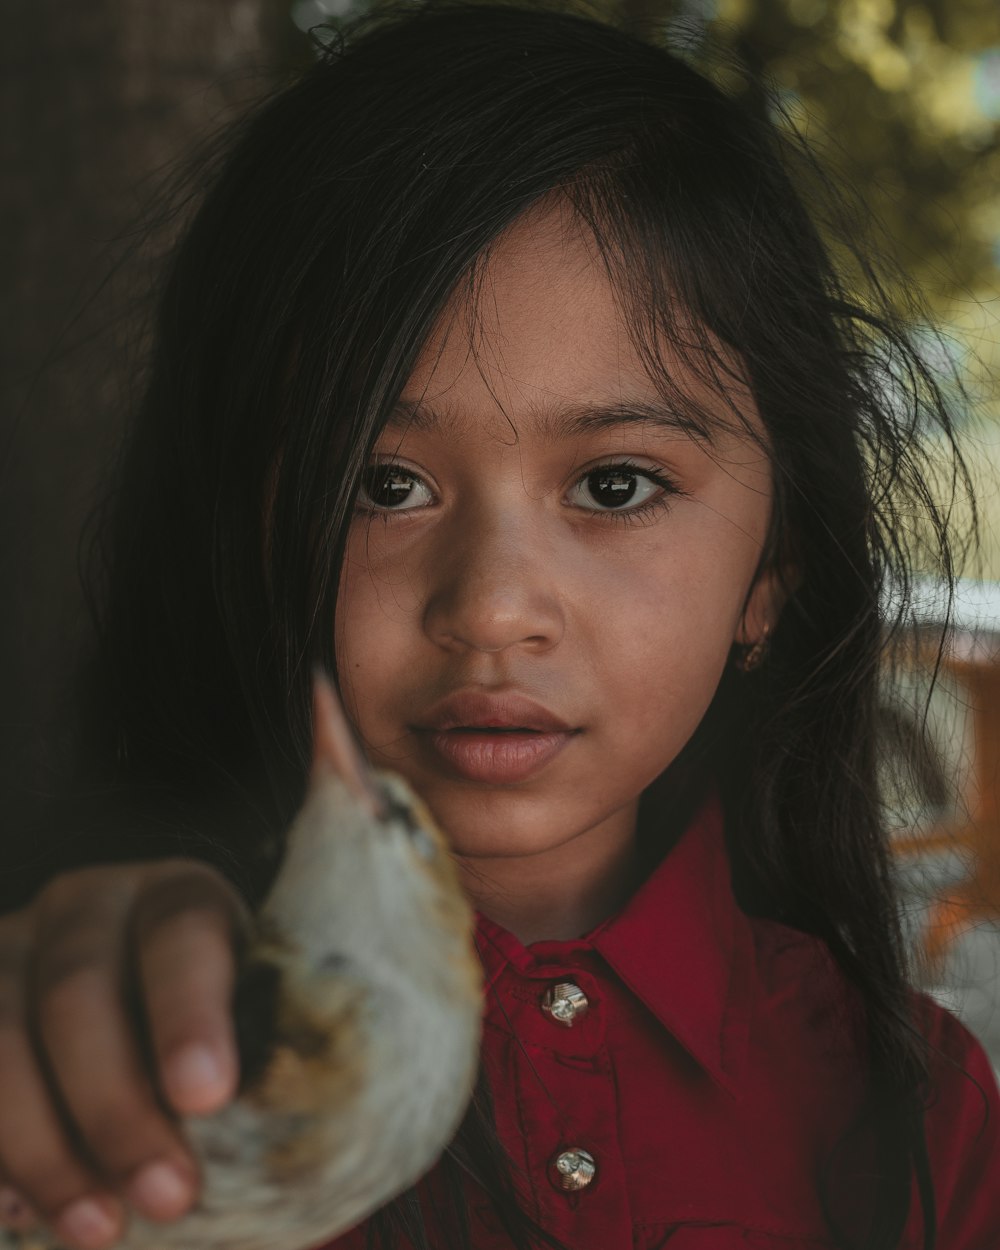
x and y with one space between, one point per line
573 1169
564 1002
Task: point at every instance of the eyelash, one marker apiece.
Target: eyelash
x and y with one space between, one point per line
640 514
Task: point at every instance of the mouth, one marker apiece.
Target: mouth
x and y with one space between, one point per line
479 711
493 738
494 754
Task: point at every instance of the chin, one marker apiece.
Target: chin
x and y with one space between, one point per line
496 830
502 846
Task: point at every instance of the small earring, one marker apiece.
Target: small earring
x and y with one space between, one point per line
754 657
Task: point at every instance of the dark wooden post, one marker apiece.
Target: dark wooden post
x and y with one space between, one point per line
97 97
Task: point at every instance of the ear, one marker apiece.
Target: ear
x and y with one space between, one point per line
765 603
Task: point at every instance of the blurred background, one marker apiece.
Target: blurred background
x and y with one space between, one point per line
902 97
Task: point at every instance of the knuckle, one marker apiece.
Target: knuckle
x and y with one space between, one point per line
47 1182
122 1133
11 1018
76 889
76 943
76 936
15 946
14 1045
11 1003
14 928
193 892
67 976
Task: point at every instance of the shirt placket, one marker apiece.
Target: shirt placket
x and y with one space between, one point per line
557 1107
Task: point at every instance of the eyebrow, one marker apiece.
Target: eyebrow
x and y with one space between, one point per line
574 420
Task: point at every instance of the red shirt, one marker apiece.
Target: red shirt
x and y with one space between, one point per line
709 1073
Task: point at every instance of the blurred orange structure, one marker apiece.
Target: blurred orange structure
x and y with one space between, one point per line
972 658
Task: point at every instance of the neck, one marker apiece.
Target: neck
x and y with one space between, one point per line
562 892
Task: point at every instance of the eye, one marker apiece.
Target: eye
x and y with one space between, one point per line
422 842
620 487
392 488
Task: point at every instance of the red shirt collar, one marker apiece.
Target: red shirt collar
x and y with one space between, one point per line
680 944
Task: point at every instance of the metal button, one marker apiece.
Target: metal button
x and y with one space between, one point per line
573 1169
564 1002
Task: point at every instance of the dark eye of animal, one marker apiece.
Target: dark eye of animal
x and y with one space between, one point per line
395 810
403 814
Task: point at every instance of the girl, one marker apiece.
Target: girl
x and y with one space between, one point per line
503 371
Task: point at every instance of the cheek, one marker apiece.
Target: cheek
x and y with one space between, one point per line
664 677
372 626
377 586
664 638
659 695
679 601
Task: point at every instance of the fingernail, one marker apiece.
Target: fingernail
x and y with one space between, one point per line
88 1224
160 1191
14 1211
194 1074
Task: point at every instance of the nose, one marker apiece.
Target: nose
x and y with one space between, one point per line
494 586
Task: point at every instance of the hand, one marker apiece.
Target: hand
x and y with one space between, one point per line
115 1017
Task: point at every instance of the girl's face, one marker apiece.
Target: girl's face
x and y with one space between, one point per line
541 530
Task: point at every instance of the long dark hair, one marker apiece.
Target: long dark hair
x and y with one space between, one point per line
335 223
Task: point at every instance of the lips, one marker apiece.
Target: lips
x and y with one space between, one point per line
473 710
493 738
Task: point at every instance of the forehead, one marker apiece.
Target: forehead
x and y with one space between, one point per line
539 336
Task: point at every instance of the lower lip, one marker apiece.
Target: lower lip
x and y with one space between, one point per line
497 757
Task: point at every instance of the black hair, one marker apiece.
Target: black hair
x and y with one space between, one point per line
337 221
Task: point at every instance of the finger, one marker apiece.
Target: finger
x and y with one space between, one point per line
186 927
90 1044
109 1095
38 1157
43 1175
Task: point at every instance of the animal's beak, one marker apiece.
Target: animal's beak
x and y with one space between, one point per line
336 751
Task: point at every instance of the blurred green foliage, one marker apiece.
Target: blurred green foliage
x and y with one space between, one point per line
901 96
901 100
